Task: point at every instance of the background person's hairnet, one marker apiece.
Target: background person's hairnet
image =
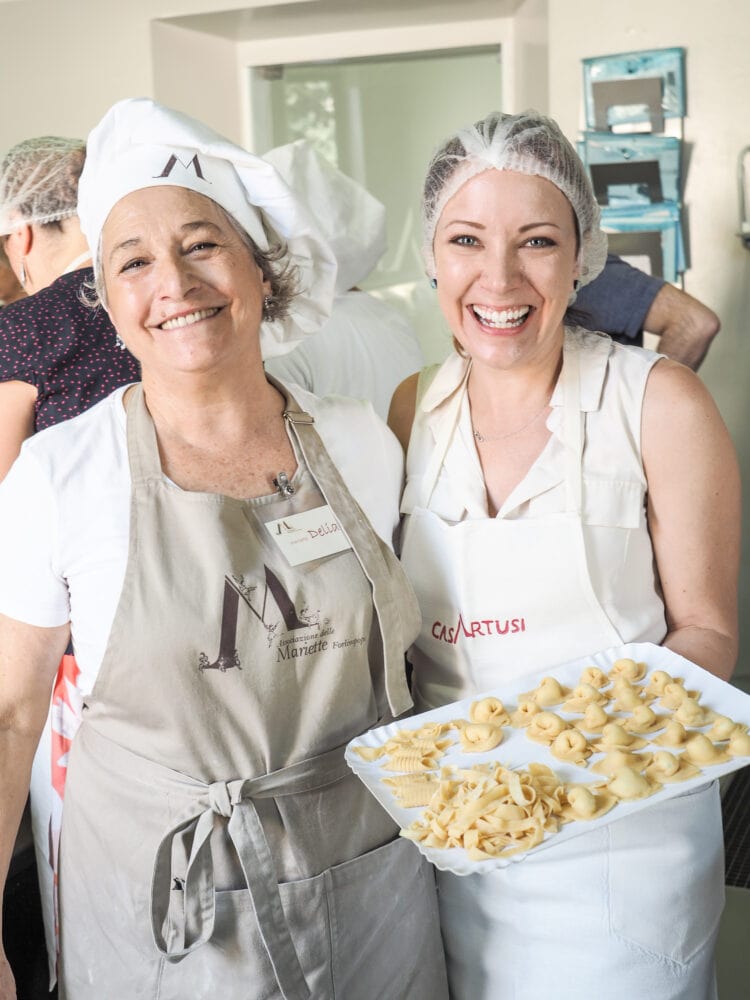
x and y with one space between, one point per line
141 144
39 181
528 143
351 219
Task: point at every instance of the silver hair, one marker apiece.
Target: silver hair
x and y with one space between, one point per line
276 264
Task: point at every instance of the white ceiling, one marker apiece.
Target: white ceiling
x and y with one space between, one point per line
321 16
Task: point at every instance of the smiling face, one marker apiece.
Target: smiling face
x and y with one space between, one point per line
506 258
183 289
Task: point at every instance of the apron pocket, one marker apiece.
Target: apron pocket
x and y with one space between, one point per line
235 956
666 875
385 930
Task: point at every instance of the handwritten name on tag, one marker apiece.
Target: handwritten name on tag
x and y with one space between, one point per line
310 535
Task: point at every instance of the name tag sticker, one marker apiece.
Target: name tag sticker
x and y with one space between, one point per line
310 535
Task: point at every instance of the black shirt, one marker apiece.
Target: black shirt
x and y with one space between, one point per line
66 349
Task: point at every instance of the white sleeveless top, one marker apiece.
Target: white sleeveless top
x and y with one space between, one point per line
612 385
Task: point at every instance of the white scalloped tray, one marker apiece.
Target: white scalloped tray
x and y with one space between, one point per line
517 750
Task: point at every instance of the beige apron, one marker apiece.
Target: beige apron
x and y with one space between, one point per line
214 842
611 913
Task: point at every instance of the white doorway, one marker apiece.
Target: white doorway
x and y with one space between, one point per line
379 120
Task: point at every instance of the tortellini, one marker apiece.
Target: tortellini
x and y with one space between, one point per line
644 720
492 810
547 693
545 726
571 745
480 736
629 669
489 710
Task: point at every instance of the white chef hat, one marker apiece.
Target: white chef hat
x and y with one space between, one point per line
139 144
351 219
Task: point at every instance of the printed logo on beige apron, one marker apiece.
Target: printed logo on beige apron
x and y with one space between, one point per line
294 632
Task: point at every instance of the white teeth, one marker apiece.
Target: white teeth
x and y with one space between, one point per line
504 318
194 317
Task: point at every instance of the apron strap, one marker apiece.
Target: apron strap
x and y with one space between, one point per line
573 417
445 432
367 548
573 433
143 448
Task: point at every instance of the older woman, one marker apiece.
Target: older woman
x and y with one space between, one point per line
590 491
219 554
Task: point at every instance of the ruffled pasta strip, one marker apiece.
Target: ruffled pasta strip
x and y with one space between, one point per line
411 759
489 710
412 790
370 754
415 749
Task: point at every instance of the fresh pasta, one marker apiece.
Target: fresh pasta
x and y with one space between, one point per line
492 810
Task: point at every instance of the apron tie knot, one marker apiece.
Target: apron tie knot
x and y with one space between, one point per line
220 798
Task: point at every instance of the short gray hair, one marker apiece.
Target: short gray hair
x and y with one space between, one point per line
276 264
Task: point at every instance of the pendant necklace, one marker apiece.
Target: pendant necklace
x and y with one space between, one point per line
482 438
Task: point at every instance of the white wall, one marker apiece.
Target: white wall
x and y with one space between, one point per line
716 36
64 62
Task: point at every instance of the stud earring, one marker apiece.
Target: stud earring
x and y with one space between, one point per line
433 282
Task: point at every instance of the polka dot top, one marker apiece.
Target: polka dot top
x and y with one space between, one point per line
64 348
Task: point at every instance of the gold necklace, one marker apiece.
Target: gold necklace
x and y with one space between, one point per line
500 437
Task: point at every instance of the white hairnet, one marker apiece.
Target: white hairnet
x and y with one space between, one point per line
350 218
39 181
528 143
140 144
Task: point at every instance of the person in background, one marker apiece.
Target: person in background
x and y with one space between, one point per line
591 492
57 356
623 301
367 347
10 287
220 551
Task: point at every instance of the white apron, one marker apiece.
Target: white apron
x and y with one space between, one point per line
611 913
